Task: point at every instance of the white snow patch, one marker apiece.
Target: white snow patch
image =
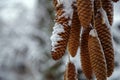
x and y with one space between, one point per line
105 18
75 60
93 33
57 29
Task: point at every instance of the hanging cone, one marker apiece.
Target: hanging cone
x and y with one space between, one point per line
85 58
108 7
106 41
70 72
74 34
61 32
84 8
97 58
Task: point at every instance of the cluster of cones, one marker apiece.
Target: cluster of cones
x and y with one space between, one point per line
90 29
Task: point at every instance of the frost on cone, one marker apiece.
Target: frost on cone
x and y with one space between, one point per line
108 7
85 58
106 41
59 44
84 8
70 72
74 34
97 58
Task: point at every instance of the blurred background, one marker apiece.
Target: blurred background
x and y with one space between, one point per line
25 30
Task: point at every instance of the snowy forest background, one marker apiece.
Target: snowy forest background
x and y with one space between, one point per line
25 29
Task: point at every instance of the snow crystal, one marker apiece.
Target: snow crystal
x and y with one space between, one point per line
105 18
58 28
93 33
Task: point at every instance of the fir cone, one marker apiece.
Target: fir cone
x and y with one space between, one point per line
70 73
74 34
97 58
108 7
60 37
84 8
106 41
85 58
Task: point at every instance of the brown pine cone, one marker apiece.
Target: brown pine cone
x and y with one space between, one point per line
106 41
85 58
108 7
84 8
70 72
60 33
73 43
97 58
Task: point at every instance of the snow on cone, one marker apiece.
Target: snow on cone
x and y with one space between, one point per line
97 58
84 8
73 43
61 30
85 58
70 72
108 7
106 41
